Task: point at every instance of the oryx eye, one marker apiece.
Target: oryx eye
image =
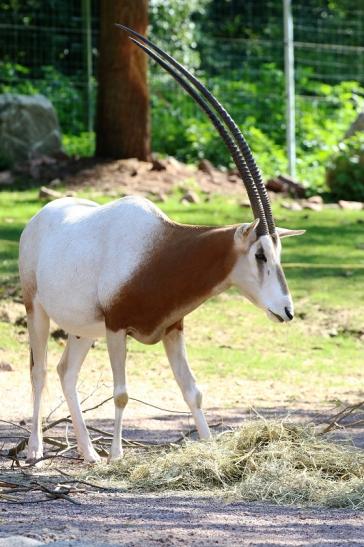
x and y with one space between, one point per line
261 256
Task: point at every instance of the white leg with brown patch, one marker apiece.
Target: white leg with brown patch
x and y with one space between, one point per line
38 327
176 352
116 345
68 370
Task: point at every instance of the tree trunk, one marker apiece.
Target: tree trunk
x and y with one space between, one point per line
123 127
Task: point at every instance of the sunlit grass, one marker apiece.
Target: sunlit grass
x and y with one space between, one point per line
230 342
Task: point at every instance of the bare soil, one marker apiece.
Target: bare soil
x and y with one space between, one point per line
115 177
177 519
119 518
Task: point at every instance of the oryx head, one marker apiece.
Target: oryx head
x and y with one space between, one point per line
257 272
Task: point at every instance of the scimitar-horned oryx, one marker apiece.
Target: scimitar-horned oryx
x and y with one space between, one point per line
125 269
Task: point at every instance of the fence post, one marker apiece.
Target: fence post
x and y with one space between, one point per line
87 48
290 88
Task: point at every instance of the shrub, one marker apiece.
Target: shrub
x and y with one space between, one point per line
63 92
345 172
82 145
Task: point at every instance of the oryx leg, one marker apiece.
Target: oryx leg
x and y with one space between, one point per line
68 370
116 345
177 356
38 327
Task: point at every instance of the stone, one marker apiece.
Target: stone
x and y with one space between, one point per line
295 188
173 162
21 321
4 316
28 127
317 207
6 177
351 205
6 367
190 197
206 167
286 184
48 193
77 543
158 165
276 185
292 206
160 197
18 541
55 183
315 199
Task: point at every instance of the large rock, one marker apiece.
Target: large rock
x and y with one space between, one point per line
28 127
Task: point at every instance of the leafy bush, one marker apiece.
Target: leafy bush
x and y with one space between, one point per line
82 145
345 173
324 113
67 99
173 27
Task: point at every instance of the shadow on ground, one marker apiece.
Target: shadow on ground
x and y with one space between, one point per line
119 518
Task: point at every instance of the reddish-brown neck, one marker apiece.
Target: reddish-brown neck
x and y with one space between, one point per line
182 268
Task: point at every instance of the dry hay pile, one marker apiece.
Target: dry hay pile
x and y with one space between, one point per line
272 461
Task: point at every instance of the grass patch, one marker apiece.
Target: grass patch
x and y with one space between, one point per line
279 462
238 355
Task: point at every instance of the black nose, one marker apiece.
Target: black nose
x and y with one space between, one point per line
288 313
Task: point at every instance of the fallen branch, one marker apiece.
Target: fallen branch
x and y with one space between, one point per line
335 422
13 452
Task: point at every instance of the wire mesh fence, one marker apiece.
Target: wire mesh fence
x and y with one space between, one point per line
43 49
46 47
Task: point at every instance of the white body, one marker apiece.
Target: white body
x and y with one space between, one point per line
80 264
82 253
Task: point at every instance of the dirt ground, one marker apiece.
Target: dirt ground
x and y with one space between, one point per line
114 517
129 176
177 519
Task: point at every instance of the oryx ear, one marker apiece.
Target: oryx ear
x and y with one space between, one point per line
245 234
284 232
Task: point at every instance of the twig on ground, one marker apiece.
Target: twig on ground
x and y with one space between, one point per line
81 481
14 451
158 407
15 425
55 493
335 422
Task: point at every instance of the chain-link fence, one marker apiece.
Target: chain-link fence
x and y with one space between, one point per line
51 47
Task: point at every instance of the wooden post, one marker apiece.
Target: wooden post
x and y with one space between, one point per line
123 125
87 47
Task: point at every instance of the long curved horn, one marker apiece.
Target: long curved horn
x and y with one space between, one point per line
238 136
262 228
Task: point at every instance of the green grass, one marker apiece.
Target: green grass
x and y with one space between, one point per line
229 338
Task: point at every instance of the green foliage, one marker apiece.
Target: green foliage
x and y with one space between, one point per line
181 129
82 145
345 173
57 87
324 113
172 26
228 42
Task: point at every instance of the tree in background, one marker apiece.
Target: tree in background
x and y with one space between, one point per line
122 125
